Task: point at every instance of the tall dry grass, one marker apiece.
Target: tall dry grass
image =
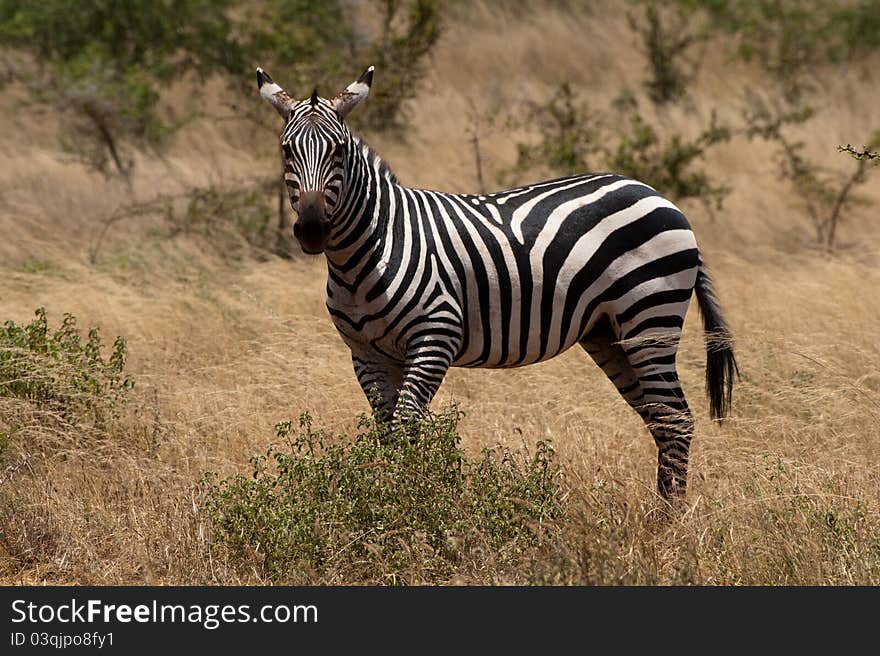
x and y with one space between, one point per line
786 491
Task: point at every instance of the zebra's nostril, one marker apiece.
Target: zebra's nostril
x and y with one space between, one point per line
297 230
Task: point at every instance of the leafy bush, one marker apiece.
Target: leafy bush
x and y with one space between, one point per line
298 41
570 135
574 138
229 216
234 219
790 39
57 370
668 165
328 42
380 508
665 47
827 195
103 64
409 32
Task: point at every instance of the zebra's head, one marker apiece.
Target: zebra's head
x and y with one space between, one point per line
315 145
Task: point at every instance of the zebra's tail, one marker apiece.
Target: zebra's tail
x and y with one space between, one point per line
721 364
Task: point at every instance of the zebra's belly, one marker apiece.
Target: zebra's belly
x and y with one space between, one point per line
520 337
494 361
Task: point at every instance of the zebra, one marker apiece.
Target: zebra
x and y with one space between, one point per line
420 281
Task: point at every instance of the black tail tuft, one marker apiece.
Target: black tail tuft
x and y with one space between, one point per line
721 364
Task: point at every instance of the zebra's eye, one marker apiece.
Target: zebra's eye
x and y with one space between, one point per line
339 151
287 149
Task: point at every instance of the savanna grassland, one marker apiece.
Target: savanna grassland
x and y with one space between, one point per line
225 339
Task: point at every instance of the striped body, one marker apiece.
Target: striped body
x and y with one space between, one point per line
515 277
419 281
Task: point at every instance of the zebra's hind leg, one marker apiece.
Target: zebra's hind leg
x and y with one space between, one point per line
651 355
643 370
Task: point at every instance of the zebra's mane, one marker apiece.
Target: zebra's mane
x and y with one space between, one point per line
373 157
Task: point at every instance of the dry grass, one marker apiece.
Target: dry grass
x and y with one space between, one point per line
787 491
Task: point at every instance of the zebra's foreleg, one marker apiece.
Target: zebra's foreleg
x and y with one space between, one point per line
380 382
424 372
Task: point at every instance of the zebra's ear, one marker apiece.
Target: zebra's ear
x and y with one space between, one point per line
354 94
274 94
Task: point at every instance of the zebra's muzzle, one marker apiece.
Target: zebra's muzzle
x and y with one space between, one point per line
312 227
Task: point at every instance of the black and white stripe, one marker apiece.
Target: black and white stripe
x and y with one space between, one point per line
419 281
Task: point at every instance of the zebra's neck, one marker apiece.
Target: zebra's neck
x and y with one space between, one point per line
362 218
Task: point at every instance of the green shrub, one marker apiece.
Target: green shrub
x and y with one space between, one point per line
409 32
232 217
666 40
791 39
383 509
668 164
574 137
325 43
570 136
58 370
827 195
104 63
234 220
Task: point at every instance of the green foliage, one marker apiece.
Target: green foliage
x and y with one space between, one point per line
58 371
105 106
665 47
303 43
298 41
859 26
826 194
791 38
409 32
382 508
231 217
668 165
154 35
103 62
572 135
